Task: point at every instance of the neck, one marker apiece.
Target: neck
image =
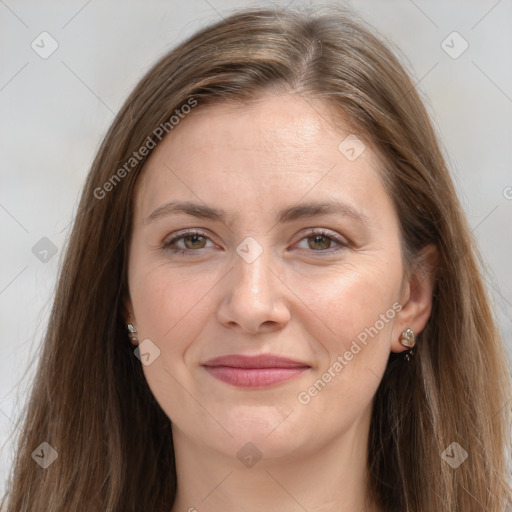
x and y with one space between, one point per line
330 479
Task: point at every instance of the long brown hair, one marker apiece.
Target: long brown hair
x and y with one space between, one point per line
90 400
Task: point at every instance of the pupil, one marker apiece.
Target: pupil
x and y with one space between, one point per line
194 239
317 239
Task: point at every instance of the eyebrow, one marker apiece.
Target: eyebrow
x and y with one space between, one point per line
304 210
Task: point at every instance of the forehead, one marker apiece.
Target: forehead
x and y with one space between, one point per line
277 149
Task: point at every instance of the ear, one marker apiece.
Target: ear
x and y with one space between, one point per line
417 296
127 309
128 318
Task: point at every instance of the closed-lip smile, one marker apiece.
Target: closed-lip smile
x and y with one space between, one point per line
254 371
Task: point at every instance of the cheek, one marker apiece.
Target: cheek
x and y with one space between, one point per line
172 303
335 312
354 316
349 302
170 308
335 305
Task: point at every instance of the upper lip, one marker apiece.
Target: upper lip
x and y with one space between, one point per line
258 361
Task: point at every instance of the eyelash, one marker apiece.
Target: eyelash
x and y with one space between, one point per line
167 246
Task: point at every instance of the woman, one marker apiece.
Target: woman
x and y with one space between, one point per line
270 299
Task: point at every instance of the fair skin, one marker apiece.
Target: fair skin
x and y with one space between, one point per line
298 299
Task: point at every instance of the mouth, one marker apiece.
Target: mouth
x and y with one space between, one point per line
254 371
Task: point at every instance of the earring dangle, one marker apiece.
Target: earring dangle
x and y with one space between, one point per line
408 339
132 332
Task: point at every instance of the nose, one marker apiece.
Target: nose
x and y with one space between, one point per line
254 297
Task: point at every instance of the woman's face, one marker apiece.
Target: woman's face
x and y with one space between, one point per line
268 274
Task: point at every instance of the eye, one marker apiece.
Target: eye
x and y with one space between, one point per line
320 241
192 242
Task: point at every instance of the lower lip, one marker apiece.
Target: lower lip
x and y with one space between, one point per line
254 377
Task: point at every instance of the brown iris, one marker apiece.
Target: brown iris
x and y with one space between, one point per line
195 241
317 240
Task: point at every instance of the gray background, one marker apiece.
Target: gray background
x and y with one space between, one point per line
56 110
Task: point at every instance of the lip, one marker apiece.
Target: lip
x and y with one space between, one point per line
254 371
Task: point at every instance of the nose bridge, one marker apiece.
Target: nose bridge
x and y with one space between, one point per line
252 297
252 272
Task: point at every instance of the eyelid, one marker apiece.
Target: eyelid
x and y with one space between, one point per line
341 242
184 234
187 231
326 232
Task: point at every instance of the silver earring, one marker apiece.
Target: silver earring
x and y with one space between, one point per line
408 338
132 332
